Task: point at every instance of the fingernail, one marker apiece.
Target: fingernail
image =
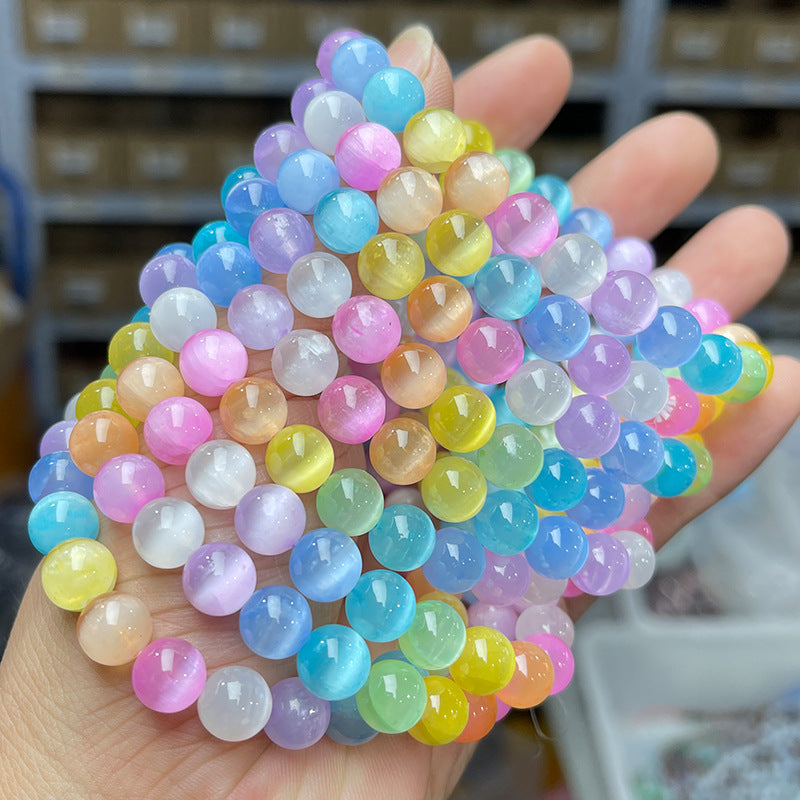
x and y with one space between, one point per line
413 50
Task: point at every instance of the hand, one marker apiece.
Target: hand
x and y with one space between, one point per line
74 730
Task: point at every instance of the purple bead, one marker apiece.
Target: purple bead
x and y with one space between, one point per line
607 566
274 144
260 316
330 44
501 618
631 253
709 313
270 519
505 579
589 428
299 719
625 303
168 675
637 504
279 237
219 578
56 437
166 272
126 483
305 93
525 224
602 366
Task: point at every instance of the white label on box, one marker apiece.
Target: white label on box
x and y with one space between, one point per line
239 33
60 27
586 36
489 34
84 290
774 47
697 45
749 172
151 30
162 164
74 160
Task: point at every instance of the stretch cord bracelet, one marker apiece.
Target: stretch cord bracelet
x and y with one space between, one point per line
522 384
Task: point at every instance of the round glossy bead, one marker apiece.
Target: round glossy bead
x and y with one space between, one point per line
637 503
539 392
300 457
345 220
413 375
643 394
279 237
590 222
392 96
478 136
270 519
705 471
99 394
299 718
351 501
366 154
59 516
556 191
477 182
163 273
574 265
366 329
641 556
390 265
482 716
274 144
458 242
499 618
351 409
328 116
260 316
490 350
548 619
525 224
144 383
680 412
381 606
454 490
508 286
334 662
715 368
625 304
602 366
486 663
178 313
607 566
677 472
462 419
504 580
246 201
753 379
218 578
239 174
439 308
235 704
126 483
181 248
275 622
211 360
671 339
512 457
709 313
167 531
520 168
168 675
402 451
636 456
213 233
331 43
253 410
175 428
631 253
457 562
433 138
318 283
403 538
347 726
394 697
224 269
559 653
436 637
561 483
56 437
556 329
542 591
114 628
602 502
589 427
99 436
507 523
672 286
533 678
409 199
305 177
560 548
446 712
219 473
325 565
355 62
76 571
133 341
304 362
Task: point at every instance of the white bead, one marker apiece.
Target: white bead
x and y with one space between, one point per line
328 116
544 590
235 704
574 265
539 392
672 286
167 531
178 314
644 393
304 362
220 473
318 283
69 408
545 619
642 558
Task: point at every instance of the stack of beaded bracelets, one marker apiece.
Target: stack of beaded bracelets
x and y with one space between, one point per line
509 368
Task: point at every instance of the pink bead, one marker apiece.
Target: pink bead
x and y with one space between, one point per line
642 527
490 350
709 313
502 710
175 428
366 154
680 412
572 590
351 409
211 360
560 655
525 224
366 329
126 483
501 618
168 675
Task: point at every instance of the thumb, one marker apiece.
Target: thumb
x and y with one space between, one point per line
415 50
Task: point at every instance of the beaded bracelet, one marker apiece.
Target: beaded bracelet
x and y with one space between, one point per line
522 383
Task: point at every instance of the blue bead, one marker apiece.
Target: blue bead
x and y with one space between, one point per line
334 662
556 191
677 473
178 249
602 502
403 539
457 561
671 339
560 548
236 176
557 328
637 454
60 516
508 287
247 200
392 96
382 605
57 472
213 233
142 315
561 483
345 220
355 62
224 269
503 412
325 565
507 523
304 177
715 367
592 222
347 726
275 622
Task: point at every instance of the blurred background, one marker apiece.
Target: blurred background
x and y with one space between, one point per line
119 120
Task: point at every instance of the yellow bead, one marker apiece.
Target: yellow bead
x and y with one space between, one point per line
390 265
767 356
433 139
462 419
454 490
99 395
486 663
446 712
300 457
478 136
133 341
458 242
76 571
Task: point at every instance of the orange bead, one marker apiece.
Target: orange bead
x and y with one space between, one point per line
145 382
253 410
476 181
482 716
408 199
99 436
439 308
402 451
413 375
708 405
533 677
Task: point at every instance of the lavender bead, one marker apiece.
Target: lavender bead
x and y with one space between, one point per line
299 719
305 93
607 566
279 237
56 437
501 618
632 253
219 578
260 316
274 144
165 272
270 519
505 579
589 428
625 303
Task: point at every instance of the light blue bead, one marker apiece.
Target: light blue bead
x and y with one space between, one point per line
224 269
557 328
561 483
508 286
57 472
677 473
503 412
671 339
275 622
142 315
325 565
392 96
507 523
334 662
457 561
247 200
381 606
345 220
178 249
715 367
347 726
304 177
355 62
556 191
592 222
403 539
239 174
560 548
602 502
637 454
60 516
213 233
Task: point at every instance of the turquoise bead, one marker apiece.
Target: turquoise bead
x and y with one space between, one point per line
60 516
334 662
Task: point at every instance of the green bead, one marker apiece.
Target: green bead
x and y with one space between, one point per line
133 341
546 434
705 465
436 637
752 380
520 169
350 501
393 698
512 458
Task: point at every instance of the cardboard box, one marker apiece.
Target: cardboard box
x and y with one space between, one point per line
772 43
165 28
69 26
305 25
699 40
239 29
226 153
491 30
78 161
749 168
94 285
589 35
165 161
564 157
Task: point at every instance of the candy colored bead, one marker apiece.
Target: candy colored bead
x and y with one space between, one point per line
574 265
556 191
636 456
607 566
270 519
490 350
179 313
56 437
345 220
446 713
561 483
211 361
641 556
299 718
394 696
508 286
560 548
525 224
331 43
457 562
390 265
505 579
482 715
671 339
355 62
454 490
325 565
168 675
677 472
318 283
546 619
304 362
709 313
499 618
275 622
125 484
403 538
224 269
512 457
392 96
328 116
381 606
476 181
219 473
625 303
632 253
557 329
279 237
334 663
402 451
366 329
175 428
715 368
273 146
433 138
539 392
462 419
347 726
260 316
409 199
458 242
602 502
299 457
252 410
533 678
163 273
589 222
99 394
133 341
76 571
245 202
680 412
486 663
167 531
351 501
542 591
237 175
59 516
436 637
520 168
218 578
413 375
439 308
351 409
602 366
589 428
305 177
705 469
181 248
366 154
644 393
99 436
507 523
214 233
754 377
235 704
146 382
114 628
